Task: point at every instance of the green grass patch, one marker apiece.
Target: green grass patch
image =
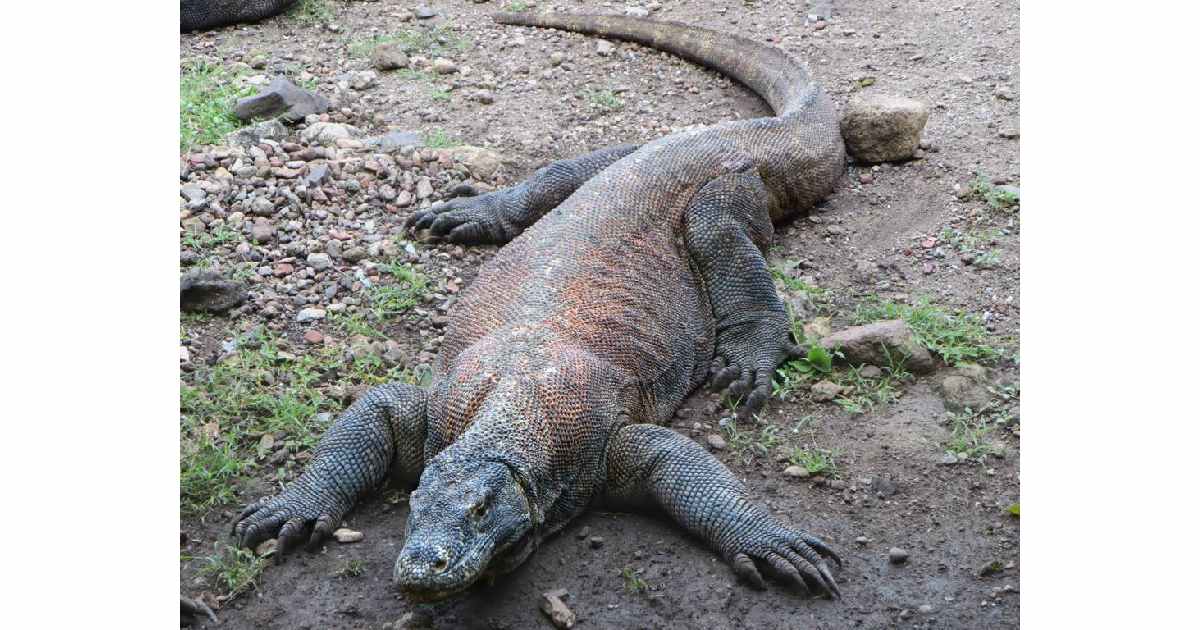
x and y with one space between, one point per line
439 139
351 568
995 197
232 570
437 40
969 435
956 336
974 244
748 444
817 461
516 7
207 93
407 291
312 12
211 239
605 100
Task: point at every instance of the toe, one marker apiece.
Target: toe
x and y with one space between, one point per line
744 567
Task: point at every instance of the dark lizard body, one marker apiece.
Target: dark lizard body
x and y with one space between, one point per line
205 14
633 275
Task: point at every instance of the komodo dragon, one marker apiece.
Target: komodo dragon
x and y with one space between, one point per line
197 15
628 273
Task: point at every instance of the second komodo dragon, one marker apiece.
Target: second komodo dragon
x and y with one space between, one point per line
631 276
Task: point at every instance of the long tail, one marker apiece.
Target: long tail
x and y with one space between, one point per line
771 73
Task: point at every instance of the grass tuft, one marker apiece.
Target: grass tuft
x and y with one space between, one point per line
233 570
207 93
956 336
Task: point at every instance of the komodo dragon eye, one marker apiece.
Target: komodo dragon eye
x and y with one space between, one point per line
478 508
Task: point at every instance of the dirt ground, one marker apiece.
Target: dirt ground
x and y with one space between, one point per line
896 231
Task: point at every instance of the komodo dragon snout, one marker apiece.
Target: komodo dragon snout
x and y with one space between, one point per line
464 522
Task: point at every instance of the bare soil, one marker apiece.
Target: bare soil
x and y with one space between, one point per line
872 236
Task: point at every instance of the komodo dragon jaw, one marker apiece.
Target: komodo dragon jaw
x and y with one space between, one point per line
465 520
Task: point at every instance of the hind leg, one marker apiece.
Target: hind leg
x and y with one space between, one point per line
498 217
728 227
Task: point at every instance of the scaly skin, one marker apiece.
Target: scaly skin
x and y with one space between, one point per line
631 276
205 14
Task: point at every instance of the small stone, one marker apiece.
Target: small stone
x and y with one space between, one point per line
314 336
1009 133
925 609
441 65
424 188
193 193
866 344
991 568
484 96
556 58
716 442
354 254
262 231
1004 94
412 620
870 371
266 548
554 608
310 314
363 80
424 13
818 328
320 262
883 128
328 133
604 48
865 178
797 472
389 56
897 555
825 391
347 536
596 542
862 540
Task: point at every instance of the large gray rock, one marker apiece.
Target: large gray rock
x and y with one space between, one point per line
867 344
281 99
207 291
883 128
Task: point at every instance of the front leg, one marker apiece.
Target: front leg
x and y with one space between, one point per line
649 465
498 217
382 432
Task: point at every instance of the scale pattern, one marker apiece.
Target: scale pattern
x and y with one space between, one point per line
197 15
630 277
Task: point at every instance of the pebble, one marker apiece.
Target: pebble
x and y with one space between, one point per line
596 542
870 371
424 13
825 391
862 540
441 65
604 48
553 607
347 536
364 80
314 336
896 555
794 471
716 442
320 262
262 231
925 609
556 58
310 314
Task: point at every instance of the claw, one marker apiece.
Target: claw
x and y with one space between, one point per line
744 567
822 548
785 569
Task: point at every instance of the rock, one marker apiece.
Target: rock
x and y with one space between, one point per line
716 442
487 97
818 328
441 65
266 548
354 254
1004 94
318 174
363 80
638 12
412 620
480 162
281 99
1009 133
389 56
604 48
897 555
796 472
554 608
262 231
394 141
424 13
310 314
961 392
314 336
424 188
556 58
208 292
328 133
825 391
320 262
862 540
925 609
865 344
870 371
193 193
883 128
596 542
991 568
973 371
347 536
256 133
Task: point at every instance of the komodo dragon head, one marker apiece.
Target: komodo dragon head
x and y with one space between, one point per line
468 517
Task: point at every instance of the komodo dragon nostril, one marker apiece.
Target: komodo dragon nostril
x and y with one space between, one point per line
440 565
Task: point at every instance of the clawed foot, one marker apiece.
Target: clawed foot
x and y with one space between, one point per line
789 555
469 219
292 517
744 367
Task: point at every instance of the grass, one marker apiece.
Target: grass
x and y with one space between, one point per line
817 461
211 239
438 40
605 100
408 290
969 431
232 570
356 324
748 444
981 188
439 139
438 94
633 581
956 336
516 7
312 12
207 93
351 568
974 244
